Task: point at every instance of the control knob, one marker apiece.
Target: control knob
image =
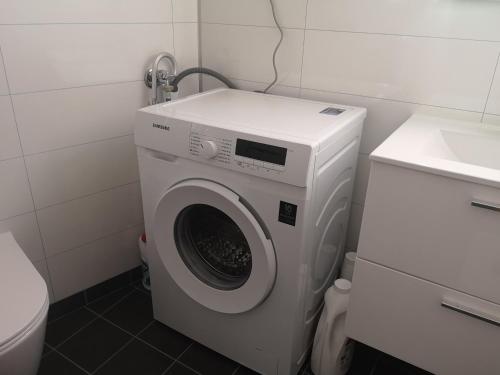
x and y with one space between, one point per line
208 149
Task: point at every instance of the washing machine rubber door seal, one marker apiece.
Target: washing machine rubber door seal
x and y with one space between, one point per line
263 271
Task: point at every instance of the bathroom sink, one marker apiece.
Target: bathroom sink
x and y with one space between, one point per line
460 149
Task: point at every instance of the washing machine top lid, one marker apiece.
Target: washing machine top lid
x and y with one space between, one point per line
23 292
263 114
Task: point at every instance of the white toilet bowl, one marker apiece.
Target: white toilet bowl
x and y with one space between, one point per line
23 310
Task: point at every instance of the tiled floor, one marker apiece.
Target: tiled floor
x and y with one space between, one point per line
116 334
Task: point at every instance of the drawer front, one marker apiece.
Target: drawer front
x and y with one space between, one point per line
404 316
427 226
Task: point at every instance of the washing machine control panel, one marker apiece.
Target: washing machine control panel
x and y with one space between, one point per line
249 153
243 153
210 147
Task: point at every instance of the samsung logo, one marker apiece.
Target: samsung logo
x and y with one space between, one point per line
162 127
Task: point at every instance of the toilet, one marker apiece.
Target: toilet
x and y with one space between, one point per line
23 310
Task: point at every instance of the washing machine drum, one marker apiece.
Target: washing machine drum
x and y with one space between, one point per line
213 247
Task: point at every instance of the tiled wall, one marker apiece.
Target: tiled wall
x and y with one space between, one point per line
392 57
70 83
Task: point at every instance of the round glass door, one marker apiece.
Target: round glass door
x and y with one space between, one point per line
213 247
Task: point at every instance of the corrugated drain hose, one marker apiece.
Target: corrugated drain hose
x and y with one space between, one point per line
210 72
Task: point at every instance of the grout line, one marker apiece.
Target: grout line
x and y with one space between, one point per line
303 50
77 87
87 195
79 144
390 100
17 215
106 296
44 247
83 23
113 355
491 87
176 360
97 316
250 25
121 348
356 32
362 96
78 331
200 45
404 35
136 336
236 369
173 28
95 240
71 361
92 311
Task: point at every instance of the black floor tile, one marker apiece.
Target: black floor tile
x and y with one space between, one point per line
136 358
391 365
94 344
364 361
135 274
104 303
65 306
180 369
207 362
138 285
46 349
133 313
55 364
245 371
59 330
166 339
107 287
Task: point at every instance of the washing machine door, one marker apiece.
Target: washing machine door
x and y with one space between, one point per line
213 247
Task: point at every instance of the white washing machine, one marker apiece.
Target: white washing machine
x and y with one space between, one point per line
246 202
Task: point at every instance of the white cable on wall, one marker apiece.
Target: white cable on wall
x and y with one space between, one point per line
275 49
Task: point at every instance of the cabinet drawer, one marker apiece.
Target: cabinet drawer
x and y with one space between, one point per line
426 225
404 316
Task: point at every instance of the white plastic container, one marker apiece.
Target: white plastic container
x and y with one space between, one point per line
348 266
333 351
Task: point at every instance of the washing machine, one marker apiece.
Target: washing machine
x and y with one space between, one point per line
246 202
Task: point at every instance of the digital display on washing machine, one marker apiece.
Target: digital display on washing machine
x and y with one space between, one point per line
261 151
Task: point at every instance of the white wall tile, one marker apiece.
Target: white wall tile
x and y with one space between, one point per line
88 11
62 175
493 105
290 13
186 44
4 89
81 221
492 120
41 267
361 182
421 70
354 226
443 18
61 118
384 116
245 52
186 53
15 196
185 10
9 140
91 264
25 231
44 57
210 83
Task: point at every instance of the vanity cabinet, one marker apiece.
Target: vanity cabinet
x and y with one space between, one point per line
426 285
